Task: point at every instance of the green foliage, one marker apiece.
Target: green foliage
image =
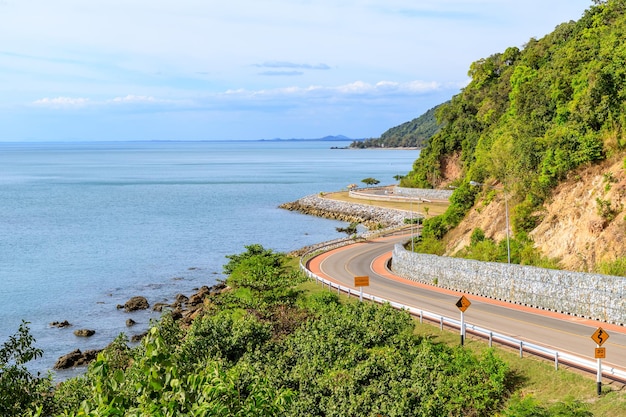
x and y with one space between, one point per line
254 250
360 359
428 245
529 407
350 230
434 228
259 269
616 267
522 250
370 181
607 210
414 220
478 235
20 391
461 200
314 357
524 217
411 134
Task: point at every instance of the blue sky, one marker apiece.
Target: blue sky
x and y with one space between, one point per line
245 69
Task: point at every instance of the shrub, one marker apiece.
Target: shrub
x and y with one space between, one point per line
20 391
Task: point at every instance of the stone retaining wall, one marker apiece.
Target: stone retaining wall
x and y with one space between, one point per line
370 216
425 193
595 296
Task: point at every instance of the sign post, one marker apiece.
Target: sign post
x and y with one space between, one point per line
463 305
362 281
600 336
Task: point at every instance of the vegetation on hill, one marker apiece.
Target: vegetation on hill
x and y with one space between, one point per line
413 134
528 118
267 347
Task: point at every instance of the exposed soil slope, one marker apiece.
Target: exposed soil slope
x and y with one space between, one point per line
583 223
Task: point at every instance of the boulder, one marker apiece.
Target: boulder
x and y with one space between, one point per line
130 323
84 332
158 307
60 324
199 296
136 303
136 338
181 298
76 358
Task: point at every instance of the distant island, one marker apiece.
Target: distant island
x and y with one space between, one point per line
338 138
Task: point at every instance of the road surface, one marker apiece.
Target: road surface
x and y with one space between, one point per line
561 332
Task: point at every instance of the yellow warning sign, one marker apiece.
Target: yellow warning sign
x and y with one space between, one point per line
363 281
600 353
600 336
463 303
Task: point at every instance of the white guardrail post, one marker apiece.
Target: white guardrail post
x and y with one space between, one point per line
559 357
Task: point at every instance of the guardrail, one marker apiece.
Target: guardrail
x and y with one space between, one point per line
523 346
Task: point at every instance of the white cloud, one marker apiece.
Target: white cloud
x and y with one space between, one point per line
130 99
356 88
62 102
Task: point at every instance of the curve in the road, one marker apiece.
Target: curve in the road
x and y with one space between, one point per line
553 330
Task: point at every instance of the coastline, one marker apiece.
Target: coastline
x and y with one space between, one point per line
372 217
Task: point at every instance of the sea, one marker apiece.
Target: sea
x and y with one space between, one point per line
84 226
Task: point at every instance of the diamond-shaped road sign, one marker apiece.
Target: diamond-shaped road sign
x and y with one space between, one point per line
600 336
463 303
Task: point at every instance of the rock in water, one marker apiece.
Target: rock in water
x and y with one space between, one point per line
84 332
136 303
76 358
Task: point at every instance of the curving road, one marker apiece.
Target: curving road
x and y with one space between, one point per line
556 331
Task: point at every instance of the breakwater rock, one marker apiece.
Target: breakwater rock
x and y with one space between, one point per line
371 217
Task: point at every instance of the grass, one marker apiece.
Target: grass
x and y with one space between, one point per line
533 376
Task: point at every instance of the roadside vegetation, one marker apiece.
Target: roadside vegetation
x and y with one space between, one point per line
277 345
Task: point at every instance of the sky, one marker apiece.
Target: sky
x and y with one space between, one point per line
87 70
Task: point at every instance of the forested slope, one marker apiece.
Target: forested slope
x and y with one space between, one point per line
530 119
413 134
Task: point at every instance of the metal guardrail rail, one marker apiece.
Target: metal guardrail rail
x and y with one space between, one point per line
523 346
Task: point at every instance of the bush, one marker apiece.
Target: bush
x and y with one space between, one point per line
20 391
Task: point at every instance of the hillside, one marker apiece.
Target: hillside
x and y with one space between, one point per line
412 134
543 125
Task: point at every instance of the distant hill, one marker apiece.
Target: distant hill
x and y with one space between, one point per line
337 138
413 134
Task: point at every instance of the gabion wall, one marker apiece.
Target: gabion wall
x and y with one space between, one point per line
595 296
423 193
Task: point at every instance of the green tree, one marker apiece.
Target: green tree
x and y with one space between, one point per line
20 391
370 181
350 230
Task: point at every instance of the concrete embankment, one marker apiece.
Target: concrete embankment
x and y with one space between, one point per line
370 216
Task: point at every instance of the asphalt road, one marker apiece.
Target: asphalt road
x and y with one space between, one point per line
560 332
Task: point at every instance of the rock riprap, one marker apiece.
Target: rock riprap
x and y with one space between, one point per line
370 216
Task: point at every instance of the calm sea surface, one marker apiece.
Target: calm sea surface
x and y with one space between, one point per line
85 226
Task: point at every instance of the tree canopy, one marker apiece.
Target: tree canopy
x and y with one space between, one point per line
412 134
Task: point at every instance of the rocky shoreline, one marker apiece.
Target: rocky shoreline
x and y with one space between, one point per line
184 308
371 217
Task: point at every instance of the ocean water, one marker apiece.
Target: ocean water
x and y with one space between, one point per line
86 226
